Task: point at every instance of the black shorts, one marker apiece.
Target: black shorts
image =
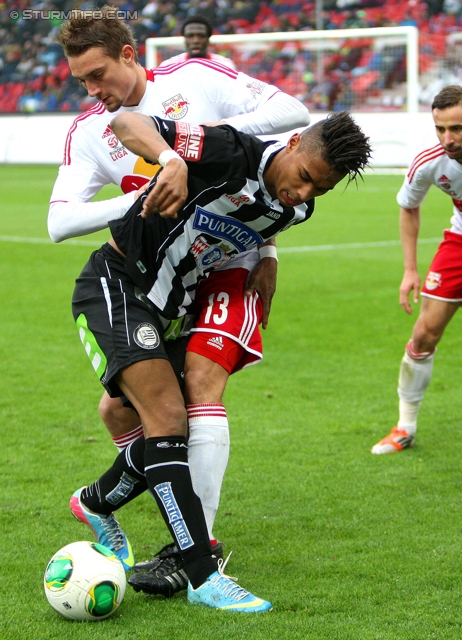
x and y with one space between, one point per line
117 324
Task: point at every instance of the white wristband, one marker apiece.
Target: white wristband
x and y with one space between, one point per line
268 251
167 155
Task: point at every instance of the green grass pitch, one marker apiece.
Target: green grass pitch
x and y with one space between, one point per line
346 545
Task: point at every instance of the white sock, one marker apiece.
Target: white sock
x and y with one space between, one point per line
122 442
408 413
414 377
208 453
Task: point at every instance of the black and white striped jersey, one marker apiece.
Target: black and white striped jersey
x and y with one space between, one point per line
228 211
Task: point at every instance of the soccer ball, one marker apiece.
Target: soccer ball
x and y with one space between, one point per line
85 581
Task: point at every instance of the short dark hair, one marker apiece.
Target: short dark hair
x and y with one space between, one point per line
449 96
197 19
341 142
89 28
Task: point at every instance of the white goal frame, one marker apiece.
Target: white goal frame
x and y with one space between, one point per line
409 33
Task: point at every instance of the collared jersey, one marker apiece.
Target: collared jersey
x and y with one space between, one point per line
214 57
228 212
433 167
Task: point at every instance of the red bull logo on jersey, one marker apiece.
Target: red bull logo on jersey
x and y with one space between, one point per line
175 108
444 183
433 280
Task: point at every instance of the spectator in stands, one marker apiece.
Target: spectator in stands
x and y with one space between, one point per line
23 40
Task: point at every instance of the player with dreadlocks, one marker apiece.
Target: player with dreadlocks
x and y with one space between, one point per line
220 193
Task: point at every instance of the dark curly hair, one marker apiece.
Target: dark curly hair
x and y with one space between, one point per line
197 19
341 142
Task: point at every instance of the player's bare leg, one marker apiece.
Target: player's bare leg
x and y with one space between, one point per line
416 372
152 388
94 505
208 453
123 423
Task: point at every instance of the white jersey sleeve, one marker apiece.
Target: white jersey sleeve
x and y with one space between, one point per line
433 167
420 177
250 105
73 219
79 178
414 191
276 115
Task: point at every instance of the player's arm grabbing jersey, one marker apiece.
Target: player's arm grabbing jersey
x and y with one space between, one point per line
83 173
196 91
433 167
228 212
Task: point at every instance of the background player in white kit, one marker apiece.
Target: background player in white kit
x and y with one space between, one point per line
441 166
102 56
196 31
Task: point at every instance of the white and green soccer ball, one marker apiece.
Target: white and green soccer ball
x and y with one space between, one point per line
85 581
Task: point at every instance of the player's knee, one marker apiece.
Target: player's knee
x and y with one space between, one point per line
196 386
165 419
106 409
425 338
205 382
419 351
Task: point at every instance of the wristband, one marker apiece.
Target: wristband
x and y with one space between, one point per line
166 156
268 251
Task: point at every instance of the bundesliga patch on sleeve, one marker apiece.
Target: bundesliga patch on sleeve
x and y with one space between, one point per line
189 140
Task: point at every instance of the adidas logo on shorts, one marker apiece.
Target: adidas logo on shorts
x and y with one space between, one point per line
216 342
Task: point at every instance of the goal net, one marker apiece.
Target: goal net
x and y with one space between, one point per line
372 69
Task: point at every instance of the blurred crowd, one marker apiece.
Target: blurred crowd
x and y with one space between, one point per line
34 76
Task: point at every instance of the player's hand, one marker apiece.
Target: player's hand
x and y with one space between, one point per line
141 190
170 191
410 282
263 281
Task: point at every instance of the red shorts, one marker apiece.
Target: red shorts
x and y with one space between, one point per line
444 278
226 329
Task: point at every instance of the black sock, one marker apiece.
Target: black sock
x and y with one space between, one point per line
123 482
169 482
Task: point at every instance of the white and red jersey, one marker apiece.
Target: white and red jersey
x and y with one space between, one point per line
195 91
227 325
214 57
433 166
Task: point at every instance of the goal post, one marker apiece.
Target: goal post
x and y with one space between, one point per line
374 69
